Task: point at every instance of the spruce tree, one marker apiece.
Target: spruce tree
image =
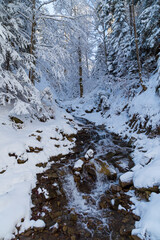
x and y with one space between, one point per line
149 33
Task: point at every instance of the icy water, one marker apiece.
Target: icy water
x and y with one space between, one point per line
86 201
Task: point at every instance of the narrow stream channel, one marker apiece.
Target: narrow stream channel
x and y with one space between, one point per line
79 197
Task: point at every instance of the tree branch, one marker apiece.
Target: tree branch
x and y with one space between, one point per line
45 3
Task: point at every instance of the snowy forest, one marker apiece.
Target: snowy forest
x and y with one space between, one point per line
80 119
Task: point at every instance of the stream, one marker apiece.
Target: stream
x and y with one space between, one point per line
79 197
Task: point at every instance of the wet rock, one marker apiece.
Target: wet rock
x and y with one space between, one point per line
52 175
27 233
136 237
104 202
149 189
126 179
145 193
34 149
89 111
125 230
12 155
77 178
71 230
65 228
115 203
52 195
16 120
38 138
3 171
41 165
78 165
56 208
55 215
136 218
109 155
91 224
107 170
115 188
71 139
90 169
73 237
21 161
73 217
62 173
122 165
39 131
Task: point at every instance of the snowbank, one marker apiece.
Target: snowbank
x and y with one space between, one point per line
125 111
18 165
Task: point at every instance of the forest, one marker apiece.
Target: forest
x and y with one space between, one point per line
80 119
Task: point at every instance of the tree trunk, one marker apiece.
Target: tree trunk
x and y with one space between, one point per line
104 42
137 50
7 61
131 18
80 71
33 41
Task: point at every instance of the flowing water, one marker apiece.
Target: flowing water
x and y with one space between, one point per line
86 202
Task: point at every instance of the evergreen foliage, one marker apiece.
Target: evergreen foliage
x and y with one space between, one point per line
116 17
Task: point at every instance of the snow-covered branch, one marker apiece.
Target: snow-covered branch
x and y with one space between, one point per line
45 3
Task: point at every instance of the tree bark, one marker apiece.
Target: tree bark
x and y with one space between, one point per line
32 44
80 71
137 49
131 18
104 42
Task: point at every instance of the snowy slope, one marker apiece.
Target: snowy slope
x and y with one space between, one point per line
18 165
117 111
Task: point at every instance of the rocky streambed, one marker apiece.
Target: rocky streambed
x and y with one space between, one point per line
80 196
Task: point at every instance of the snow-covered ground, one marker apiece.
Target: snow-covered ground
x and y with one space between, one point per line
116 111
21 150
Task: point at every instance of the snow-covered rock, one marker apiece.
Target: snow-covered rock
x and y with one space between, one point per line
126 179
78 165
89 154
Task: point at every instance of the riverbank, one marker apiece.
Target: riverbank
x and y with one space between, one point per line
136 119
79 196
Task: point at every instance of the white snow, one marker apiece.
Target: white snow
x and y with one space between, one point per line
78 164
56 226
89 154
121 208
18 180
126 177
112 202
146 155
148 226
44 191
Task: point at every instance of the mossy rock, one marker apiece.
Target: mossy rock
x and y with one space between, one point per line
107 170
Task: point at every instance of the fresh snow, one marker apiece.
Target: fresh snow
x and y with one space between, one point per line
18 180
78 164
89 154
126 177
148 226
146 155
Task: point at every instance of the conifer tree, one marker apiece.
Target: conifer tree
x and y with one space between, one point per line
16 88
